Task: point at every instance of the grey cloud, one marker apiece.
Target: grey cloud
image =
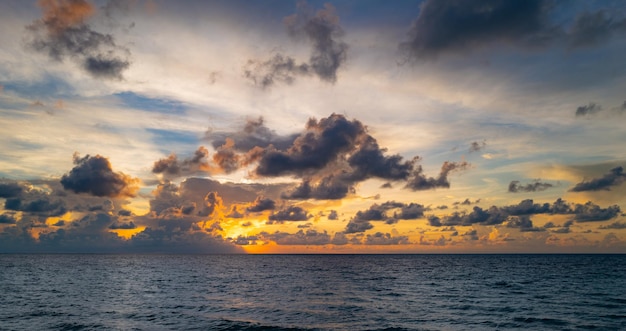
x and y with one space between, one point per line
592 28
614 226
589 109
590 212
6 218
10 190
122 226
63 33
261 204
515 186
380 238
333 216
448 26
94 175
253 134
291 213
328 52
615 177
420 182
357 226
523 223
234 213
171 166
476 146
517 214
308 237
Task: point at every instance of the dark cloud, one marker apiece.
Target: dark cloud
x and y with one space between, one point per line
333 216
592 28
476 146
328 53
420 182
595 110
62 33
523 223
380 238
332 155
94 175
357 225
614 226
10 190
253 134
615 177
328 188
450 26
6 218
519 215
308 237
590 212
261 204
382 212
457 26
173 167
322 143
515 186
122 226
291 213
589 109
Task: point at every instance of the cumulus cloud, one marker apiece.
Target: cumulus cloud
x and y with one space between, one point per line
322 31
308 237
261 204
63 33
94 175
420 182
380 238
519 215
389 212
515 186
331 156
254 134
615 177
589 109
291 213
171 166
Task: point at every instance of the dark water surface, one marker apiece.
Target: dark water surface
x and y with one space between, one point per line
312 292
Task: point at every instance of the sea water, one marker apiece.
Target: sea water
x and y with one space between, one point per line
312 292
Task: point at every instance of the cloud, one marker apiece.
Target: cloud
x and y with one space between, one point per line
6 218
253 134
515 186
476 146
328 53
516 215
94 175
333 216
452 26
62 33
593 110
291 213
615 177
10 190
420 182
308 237
171 166
380 238
456 27
261 204
589 109
590 212
592 28
614 226
382 212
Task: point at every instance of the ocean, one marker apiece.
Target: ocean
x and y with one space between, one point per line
312 292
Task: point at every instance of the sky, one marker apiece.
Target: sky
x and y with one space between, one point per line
312 127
